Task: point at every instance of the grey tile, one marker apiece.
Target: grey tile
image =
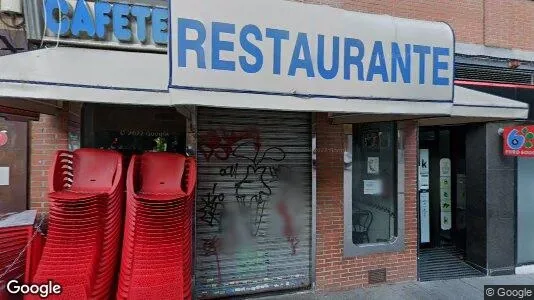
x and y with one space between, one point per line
396 291
476 193
415 291
501 233
476 241
465 288
452 289
500 194
498 280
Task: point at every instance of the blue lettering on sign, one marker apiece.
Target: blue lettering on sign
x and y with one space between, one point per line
102 18
378 63
94 22
301 46
328 74
350 60
277 36
422 51
219 45
184 26
397 61
234 48
141 14
59 8
82 21
251 49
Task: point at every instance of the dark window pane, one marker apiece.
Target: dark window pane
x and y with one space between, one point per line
374 195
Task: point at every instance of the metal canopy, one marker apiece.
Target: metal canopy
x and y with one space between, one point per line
86 75
120 77
468 106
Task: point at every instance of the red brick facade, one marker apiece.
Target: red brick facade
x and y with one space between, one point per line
488 22
495 23
333 271
47 135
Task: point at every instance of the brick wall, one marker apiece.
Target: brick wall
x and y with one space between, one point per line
47 135
333 271
496 23
509 24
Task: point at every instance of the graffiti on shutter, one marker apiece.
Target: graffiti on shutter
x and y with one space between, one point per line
253 202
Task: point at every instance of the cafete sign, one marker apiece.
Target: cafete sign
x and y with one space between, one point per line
104 24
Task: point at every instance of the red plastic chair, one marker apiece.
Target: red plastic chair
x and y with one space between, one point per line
156 255
85 221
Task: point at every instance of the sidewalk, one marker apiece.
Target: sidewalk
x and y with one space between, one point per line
466 288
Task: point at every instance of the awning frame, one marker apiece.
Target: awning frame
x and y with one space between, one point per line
119 77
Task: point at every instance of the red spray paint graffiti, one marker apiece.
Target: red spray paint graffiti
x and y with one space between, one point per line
212 246
289 230
222 143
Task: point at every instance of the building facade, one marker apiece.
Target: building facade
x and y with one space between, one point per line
309 180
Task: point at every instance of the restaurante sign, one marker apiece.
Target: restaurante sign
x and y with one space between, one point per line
290 48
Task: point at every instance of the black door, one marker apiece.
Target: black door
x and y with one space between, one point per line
446 185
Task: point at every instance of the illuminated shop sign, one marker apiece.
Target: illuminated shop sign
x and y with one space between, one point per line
290 48
107 24
518 141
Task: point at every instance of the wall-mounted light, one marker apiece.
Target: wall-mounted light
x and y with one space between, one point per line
514 64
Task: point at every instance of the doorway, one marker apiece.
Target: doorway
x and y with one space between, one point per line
133 129
13 166
442 204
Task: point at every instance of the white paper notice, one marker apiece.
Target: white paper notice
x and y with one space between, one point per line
445 167
372 187
424 169
425 217
373 165
4 175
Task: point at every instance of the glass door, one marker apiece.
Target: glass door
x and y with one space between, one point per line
525 210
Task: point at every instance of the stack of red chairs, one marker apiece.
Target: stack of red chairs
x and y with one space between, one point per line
157 247
16 233
82 247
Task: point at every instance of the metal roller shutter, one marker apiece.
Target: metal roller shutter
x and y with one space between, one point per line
253 209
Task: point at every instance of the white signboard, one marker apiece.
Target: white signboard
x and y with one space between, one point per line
4 175
424 169
424 207
285 48
372 187
445 167
445 193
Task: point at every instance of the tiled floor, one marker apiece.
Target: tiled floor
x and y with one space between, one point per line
444 263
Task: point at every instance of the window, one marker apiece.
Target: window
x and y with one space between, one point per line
133 129
373 186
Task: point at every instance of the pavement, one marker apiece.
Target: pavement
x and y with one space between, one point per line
465 288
